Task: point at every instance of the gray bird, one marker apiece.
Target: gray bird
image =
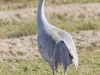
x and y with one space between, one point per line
55 45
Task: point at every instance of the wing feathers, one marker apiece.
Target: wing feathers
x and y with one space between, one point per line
73 53
62 55
66 37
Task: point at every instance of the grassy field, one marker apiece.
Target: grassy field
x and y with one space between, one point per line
89 59
18 29
19 4
89 64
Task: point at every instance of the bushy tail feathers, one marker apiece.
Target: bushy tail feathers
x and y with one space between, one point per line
62 55
73 53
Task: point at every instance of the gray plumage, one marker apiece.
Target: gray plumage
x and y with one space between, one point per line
55 45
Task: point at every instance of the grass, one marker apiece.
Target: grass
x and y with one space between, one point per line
73 25
19 29
19 4
21 53
89 64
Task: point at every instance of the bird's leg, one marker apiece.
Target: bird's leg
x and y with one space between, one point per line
65 69
65 73
52 68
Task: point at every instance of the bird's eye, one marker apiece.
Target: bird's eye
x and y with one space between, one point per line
62 41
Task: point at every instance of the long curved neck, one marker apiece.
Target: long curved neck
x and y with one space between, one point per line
41 19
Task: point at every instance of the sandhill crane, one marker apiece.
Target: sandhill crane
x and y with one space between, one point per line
55 45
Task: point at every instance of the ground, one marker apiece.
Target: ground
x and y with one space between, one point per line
75 11
26 47
20 55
